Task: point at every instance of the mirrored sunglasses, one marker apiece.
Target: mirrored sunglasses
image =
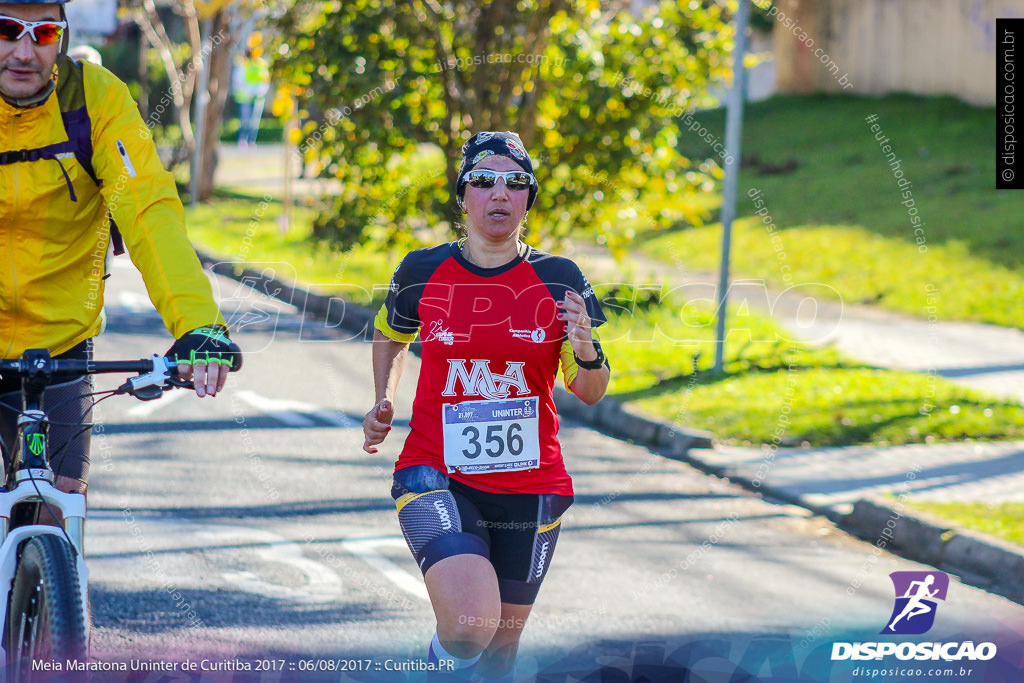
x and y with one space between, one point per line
514 180
42 32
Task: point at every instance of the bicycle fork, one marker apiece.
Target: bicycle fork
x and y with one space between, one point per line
70 505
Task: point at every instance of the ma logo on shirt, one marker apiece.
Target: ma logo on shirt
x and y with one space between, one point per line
480 381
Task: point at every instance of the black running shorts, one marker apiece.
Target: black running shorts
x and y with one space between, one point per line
517 532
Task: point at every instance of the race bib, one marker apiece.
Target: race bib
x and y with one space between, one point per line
491 436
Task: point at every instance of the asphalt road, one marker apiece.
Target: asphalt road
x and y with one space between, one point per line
252 528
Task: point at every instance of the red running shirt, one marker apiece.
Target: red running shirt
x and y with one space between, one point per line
487 333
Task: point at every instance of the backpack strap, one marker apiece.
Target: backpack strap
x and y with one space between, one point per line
73 110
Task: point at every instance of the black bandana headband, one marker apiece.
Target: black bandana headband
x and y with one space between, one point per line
483 145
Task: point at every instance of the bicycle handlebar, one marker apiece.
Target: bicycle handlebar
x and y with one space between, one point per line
70 368
155 373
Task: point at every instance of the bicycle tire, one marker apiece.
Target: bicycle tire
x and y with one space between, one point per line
45 616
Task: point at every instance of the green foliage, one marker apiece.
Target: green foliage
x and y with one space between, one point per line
271 131
597 96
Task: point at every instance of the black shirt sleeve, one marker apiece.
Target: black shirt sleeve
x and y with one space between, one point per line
560 274
583 288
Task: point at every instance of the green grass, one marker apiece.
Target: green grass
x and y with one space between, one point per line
835 405
220 228
829 399
1005 520
829 190
271 130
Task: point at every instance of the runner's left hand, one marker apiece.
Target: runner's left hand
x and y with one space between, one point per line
577 325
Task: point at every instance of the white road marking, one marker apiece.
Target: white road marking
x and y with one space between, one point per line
282 409
149 407
365 549
323 585
336 418
294 412
223 545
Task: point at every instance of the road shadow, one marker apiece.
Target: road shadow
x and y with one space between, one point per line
928 478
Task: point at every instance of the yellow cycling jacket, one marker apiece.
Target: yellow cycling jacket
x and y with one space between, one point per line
54 229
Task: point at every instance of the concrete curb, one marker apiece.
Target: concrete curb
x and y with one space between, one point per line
613 418
985 562
330 309
980 561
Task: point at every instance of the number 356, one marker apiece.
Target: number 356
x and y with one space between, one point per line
497 439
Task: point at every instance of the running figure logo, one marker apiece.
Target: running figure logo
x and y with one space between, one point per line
916 596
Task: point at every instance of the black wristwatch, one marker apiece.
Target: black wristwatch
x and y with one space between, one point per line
595 364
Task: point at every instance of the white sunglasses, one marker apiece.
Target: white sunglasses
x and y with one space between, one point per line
42 32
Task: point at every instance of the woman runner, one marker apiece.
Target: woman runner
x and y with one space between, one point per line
480 484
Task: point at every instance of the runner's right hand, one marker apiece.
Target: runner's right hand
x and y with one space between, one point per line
377 424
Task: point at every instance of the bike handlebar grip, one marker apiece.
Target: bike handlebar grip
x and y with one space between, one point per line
82 367
97 367
61 368
205 345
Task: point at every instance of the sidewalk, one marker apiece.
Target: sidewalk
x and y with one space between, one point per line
261 169
831 480
848 485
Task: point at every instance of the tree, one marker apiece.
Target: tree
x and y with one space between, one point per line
210 30
596 93
180 74
218 64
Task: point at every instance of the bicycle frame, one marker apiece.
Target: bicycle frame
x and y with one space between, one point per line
31 478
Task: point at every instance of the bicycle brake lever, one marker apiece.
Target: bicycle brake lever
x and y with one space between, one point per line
147 393
175 382
150 385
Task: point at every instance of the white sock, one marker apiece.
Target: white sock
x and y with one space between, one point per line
443 655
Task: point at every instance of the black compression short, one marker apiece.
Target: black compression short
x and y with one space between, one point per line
517 532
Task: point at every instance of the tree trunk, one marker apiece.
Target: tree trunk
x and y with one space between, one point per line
143 77
148 18
219 64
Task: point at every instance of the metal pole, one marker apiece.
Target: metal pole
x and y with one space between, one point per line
289 183
733 134
203 87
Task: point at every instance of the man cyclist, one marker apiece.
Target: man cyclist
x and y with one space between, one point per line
74 153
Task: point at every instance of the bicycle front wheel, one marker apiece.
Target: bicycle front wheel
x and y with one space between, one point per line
45 618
